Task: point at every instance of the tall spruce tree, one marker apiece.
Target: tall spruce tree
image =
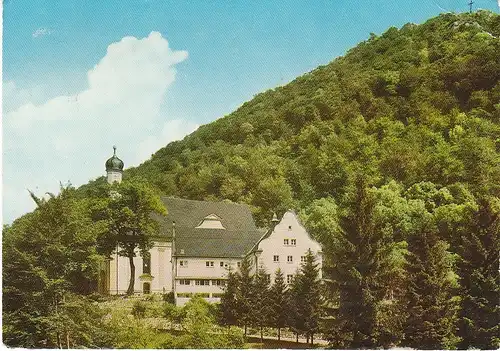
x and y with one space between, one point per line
311 298
228 308
244 295
431 304
278 303
294 320
480 280
260 301
356 262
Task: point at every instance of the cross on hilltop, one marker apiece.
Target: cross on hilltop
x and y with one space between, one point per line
470 6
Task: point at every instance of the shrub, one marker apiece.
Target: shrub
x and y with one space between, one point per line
139 309
169 297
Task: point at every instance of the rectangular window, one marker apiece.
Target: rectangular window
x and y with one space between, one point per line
268 278
302 259
289 259
238 264
209 263
276 258
146 264
218 282
294 242
221 264
184 282
289 278
183 263
202 282
285 241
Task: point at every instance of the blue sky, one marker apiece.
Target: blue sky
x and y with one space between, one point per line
80 76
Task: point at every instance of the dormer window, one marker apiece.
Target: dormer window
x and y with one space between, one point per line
212 221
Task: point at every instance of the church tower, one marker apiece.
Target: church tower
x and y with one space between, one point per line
114 168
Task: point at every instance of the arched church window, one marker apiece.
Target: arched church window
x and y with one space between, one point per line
146 264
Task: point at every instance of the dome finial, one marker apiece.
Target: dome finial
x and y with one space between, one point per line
114 150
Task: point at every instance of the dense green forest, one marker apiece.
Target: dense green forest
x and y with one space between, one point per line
391 154
418 104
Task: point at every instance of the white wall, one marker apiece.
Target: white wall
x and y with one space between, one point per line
161 270
197 269
288 228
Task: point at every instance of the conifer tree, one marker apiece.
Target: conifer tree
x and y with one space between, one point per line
260 303
356 262
294 320
310 295
278 303
480 281
244 295
228 308
431 303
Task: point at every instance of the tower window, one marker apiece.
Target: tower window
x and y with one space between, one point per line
289 259
289 278
146 264
209 263
183 263
276 258
238 264
294 242
285 241
302 259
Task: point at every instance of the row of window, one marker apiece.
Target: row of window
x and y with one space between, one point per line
289 258
290 242
146 287
210 264
206 282
206 295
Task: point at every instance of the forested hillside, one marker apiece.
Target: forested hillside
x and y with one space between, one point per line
420 103
391 154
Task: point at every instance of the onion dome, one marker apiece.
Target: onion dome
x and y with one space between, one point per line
114 163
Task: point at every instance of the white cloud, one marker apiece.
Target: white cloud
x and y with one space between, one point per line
70 137
40 32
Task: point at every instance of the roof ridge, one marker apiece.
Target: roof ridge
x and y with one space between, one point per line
222 202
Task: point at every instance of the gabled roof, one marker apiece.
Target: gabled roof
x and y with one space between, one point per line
236 240
214 243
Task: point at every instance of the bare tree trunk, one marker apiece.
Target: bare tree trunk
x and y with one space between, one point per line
245 330
279 333
312 340
261 335
67 340
307 338
297 337
130 289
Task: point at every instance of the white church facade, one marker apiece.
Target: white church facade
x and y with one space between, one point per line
200 241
